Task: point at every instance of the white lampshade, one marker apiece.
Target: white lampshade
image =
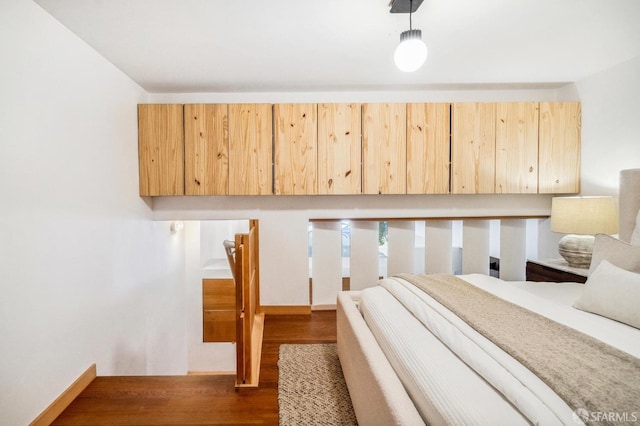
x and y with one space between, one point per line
584 215
581 218
411 53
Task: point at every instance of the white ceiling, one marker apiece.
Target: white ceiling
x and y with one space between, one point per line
310 45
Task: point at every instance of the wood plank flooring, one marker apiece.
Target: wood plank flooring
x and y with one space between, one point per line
199 400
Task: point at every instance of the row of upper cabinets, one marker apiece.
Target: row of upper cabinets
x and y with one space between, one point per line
382 148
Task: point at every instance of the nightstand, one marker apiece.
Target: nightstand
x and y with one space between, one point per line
555 271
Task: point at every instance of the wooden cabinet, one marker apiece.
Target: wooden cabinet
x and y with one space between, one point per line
295 149
378 148
516 148
428 148
206 149
559 148
160 149
218 310
339 149
473 144
384 148
250 149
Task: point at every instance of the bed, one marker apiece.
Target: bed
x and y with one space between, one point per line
473 349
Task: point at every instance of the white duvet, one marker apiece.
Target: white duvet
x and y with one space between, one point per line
456 376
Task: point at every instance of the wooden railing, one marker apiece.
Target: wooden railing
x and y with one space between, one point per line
464 248
249 321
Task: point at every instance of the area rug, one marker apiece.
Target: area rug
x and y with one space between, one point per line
311 387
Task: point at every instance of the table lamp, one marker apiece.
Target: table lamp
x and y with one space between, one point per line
581 218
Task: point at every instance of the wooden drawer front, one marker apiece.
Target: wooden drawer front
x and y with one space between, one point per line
218 326
218 310
218 294
541 273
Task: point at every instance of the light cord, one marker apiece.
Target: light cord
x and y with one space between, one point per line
410 13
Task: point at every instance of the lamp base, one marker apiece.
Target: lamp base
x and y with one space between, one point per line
577 250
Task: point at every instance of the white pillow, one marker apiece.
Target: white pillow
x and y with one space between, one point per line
621 254
613 293
635 236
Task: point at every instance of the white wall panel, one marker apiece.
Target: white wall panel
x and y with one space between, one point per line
402 240
418 252
513 234
532 238
547 240
364 254
86 278
284 258
494 241
326 263
475 242
438 247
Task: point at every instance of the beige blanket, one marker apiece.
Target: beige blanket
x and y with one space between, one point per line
586 373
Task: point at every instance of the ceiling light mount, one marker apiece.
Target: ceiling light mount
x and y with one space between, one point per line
404 6
411 53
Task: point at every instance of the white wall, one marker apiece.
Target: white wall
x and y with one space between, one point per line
284 270
85 275
610 134
610 126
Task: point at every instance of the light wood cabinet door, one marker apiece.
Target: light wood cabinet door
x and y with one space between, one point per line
206 149
160 149
428 148
339 149
218 310
559 148
250 149
473 144
384 148
516 148
295 149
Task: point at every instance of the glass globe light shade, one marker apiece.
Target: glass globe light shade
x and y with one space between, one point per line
411 53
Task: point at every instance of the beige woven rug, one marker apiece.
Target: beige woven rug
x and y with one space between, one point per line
311 387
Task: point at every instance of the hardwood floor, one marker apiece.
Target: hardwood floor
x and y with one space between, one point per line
199 400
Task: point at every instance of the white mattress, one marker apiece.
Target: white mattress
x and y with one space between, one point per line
479 383
442 387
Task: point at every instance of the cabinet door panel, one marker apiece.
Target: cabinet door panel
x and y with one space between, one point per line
218 310
160 149
295 144
250 149
559 148
473 145
516 148
206 150
219 326
339 149
428 148
384 146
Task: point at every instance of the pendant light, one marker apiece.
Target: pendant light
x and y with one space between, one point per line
411 53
